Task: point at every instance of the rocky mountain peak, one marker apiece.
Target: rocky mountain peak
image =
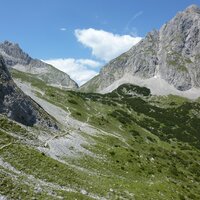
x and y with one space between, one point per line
7 43
192 9
16 58
170 55
14 50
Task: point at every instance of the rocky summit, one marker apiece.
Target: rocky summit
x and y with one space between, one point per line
169 57
16 105
15 58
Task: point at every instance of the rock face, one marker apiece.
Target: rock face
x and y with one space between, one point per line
14 57
17 106
171 54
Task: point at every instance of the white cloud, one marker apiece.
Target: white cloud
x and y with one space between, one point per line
105 45
89 63
80 70
63 29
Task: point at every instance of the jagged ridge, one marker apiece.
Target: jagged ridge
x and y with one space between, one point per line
171 54
14 57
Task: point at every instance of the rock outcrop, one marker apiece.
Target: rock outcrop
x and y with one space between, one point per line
171 54
17 106
15 58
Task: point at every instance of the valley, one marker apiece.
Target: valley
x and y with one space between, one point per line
126 144
129 133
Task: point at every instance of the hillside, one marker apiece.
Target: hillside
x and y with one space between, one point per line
128 144
17 106
130 133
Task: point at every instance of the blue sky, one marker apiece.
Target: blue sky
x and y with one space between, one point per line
69 33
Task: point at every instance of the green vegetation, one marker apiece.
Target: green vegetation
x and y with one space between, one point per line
181 68
176 60
147 147
9 125
29 78
122 57
39 166
128 90
93 85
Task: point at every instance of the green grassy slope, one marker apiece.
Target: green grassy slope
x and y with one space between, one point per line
150 148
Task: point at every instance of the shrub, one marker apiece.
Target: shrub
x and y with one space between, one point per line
112 153
72 101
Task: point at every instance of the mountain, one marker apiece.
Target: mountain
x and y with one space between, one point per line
16 105
127 144
166 60
14 57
